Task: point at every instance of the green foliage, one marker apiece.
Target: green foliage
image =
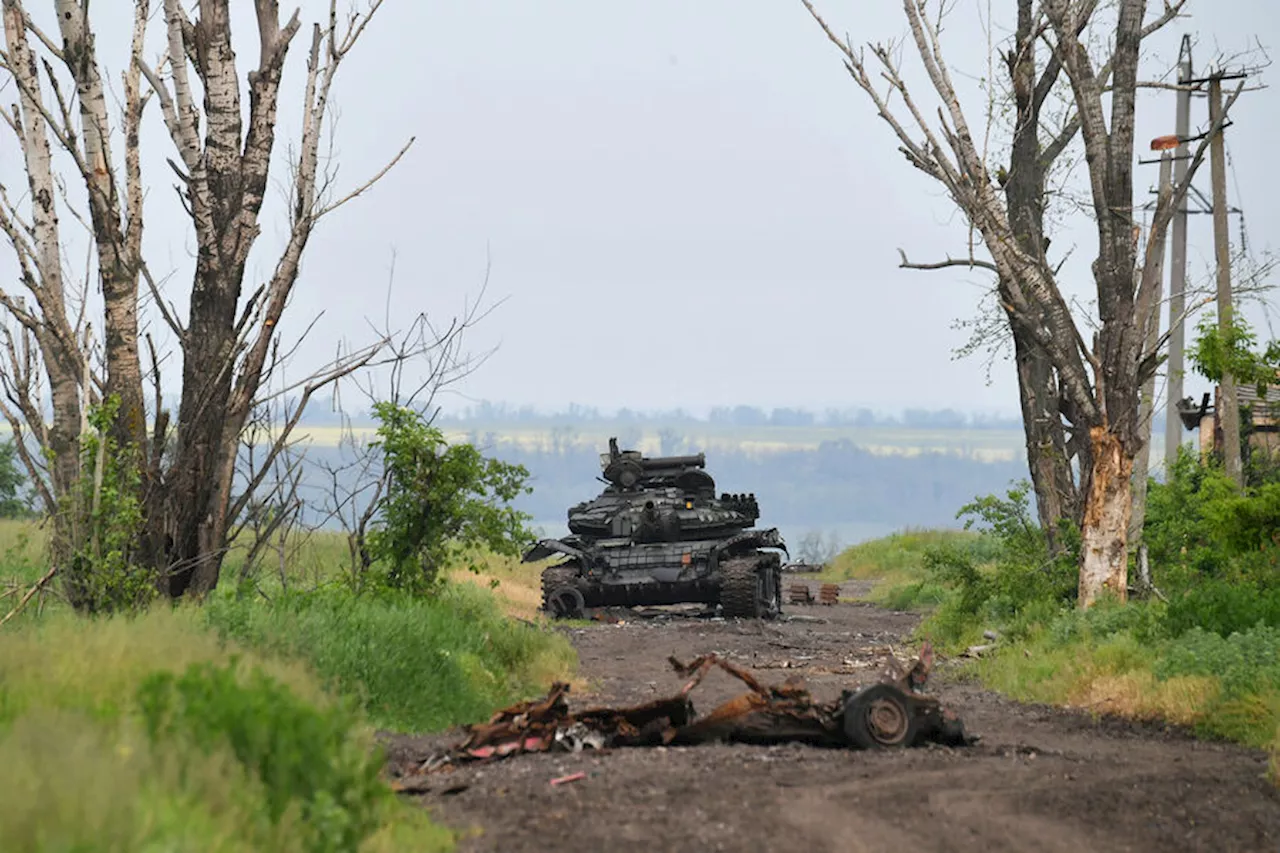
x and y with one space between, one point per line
1223 608
921 595
1216 353
106 524
1204 536
1019 573
1244 661
443 502
12 503
1182 536
304 756
419 664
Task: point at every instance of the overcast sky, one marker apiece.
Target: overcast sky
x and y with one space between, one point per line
685 202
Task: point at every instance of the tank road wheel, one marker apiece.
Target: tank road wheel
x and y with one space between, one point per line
749 590
878 717
561 597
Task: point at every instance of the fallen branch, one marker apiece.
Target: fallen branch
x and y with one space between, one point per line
30 594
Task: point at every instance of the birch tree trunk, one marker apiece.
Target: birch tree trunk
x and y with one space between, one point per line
118 251
41 263
224 155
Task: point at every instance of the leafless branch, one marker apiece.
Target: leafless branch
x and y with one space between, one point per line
969 263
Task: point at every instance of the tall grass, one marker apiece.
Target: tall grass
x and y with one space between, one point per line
79 772
415 664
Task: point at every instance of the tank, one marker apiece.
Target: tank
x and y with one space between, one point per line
658 534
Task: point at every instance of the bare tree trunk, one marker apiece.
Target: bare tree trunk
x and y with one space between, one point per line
1048 455
1057 497
41 265
118 252
1104 567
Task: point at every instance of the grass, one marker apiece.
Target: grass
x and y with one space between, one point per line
79 769
895 566
79 772
1129 660
415 664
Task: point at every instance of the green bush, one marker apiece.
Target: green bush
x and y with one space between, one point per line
1145 621
1245 661
443 503
1223 608
105 507
304 756
417 664
1019 585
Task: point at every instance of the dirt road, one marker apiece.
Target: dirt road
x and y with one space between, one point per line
1041 779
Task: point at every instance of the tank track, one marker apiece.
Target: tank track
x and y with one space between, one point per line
739 591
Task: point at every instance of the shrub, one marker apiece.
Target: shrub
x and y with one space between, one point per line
442 501
1245 661
1223 608
106 512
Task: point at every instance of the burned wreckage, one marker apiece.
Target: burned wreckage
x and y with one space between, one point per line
893 712
658 534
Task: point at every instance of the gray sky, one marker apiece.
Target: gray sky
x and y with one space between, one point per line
686 202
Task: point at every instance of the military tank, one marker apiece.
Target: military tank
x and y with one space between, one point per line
658 534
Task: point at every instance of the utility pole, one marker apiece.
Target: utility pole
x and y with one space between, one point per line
1228 407
1178 266
1152 276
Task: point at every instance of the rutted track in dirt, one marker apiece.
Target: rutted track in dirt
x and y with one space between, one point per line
1040 779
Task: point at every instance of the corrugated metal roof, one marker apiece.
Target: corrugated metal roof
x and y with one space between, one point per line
1247 395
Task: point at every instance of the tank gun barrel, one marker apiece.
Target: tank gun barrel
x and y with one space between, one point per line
651 463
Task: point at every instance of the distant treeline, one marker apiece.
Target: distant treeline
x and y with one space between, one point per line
738 416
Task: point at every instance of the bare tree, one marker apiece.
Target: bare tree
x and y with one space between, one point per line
1096 383
223 159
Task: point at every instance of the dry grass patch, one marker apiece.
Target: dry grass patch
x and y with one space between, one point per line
1139 695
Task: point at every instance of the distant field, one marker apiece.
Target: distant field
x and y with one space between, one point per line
987 445
983 445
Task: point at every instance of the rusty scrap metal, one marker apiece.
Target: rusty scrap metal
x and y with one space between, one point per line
892 712
829 594
800 593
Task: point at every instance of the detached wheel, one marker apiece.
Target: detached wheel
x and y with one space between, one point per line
879 717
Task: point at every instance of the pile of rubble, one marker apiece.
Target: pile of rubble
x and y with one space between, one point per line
892 712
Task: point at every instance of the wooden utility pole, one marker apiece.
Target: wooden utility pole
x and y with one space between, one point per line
1152 275
1178 266
1228 406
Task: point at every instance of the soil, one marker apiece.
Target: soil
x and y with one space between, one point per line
1040 778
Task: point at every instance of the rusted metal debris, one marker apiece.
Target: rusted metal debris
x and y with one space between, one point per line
800 593
829 594
889 713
